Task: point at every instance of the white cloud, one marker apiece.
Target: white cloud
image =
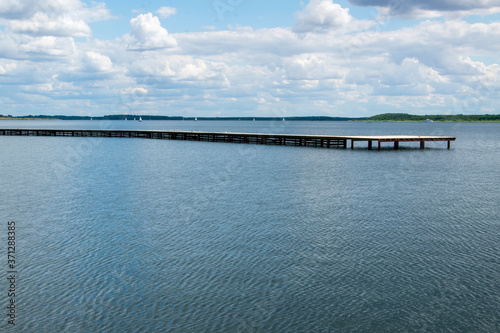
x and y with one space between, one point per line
7 67
43 25
23 9
98 62
324 15
310 67
148 34
51 17
47 46
243 44
168 71
165 12
138 91
439 45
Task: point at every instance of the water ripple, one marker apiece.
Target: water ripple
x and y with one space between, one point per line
167 236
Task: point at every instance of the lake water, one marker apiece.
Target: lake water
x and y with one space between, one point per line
135 235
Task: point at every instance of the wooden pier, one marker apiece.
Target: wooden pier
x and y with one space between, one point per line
326 141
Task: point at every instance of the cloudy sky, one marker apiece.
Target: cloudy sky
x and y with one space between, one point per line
249 57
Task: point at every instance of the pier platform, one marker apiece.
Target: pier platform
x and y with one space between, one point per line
326 141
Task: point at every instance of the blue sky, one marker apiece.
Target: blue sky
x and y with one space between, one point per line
249 58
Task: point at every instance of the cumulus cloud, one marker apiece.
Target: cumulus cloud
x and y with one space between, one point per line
148 34
433 8
324 15
51 17
165 12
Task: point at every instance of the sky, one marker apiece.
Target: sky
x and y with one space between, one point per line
349 58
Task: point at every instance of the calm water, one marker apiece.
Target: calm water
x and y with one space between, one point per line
131 235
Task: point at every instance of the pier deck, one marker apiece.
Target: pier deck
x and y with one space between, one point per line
326 141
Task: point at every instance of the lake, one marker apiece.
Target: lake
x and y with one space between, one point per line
135 235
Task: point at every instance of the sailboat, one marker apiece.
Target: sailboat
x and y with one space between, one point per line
140 118
195 119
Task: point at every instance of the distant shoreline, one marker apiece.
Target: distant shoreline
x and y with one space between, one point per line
456 118
26 118
386 117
